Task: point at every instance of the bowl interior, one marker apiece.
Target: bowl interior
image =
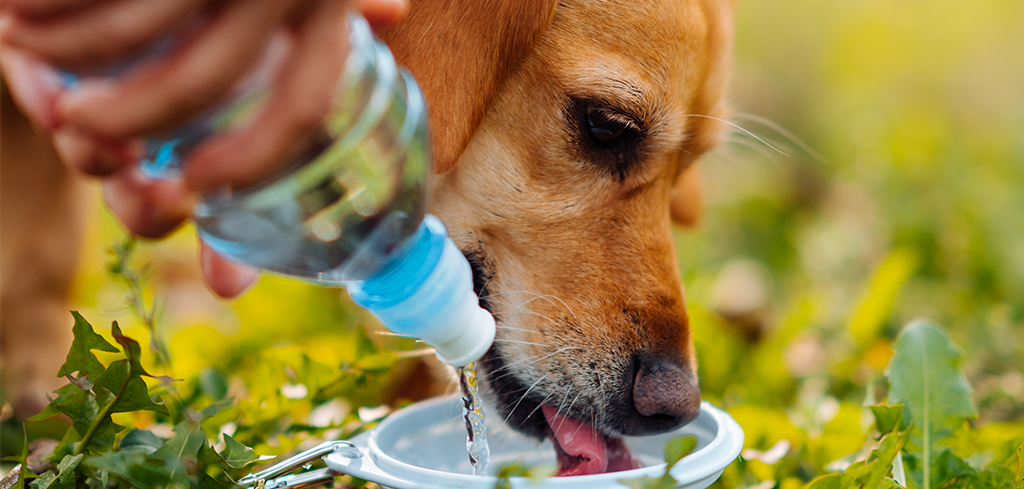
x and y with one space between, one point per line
433 436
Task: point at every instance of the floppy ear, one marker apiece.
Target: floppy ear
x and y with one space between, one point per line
460 52
706 128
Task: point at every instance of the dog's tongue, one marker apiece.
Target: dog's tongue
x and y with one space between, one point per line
582 450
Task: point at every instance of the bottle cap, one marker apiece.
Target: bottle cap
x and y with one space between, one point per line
428 294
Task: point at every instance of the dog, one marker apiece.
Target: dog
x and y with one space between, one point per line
564 137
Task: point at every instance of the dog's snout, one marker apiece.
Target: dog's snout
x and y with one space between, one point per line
665 395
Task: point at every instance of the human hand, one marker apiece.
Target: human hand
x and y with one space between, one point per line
95 127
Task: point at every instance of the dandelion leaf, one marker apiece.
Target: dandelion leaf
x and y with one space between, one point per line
80 357
924 375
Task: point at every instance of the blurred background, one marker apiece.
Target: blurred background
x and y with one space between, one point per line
876 175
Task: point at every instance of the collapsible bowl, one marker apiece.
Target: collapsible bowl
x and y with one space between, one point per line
424 446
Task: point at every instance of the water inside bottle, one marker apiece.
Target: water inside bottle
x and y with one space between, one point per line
335 219
473 412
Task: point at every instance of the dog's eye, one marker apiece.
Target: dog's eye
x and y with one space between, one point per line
605 126
608 137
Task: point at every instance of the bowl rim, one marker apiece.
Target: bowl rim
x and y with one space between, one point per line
375 465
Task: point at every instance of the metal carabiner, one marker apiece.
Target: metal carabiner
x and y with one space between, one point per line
268 478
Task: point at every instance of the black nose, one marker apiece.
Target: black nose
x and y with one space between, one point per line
665 396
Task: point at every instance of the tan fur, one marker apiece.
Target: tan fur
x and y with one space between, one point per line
581 268
42 209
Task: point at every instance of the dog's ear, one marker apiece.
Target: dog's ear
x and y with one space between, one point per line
710 108
460 52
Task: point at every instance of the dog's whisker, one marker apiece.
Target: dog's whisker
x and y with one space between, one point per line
785 133
527 361
746 143
520 342
723 121
552 321
549 298
530 360
510 413
561 404
536 408
564 397
571 404
509 365
510 328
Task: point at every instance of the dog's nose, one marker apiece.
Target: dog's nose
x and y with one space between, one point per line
666 396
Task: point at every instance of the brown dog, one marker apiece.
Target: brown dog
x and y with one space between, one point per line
564 134
564 137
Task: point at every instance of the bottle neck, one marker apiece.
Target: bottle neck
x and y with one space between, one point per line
427 293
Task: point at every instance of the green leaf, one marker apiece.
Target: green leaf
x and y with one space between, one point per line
833 481
182 449
134 354
677 448
213 384
925 377
66 446
208 456
23 461
1018 481
88 416
128 388
870 473
237 455
888 483
207 482
143 440
65 477
134 467
888 418
947 467
514 469
80 357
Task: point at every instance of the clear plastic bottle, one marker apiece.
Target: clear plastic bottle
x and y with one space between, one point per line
350 210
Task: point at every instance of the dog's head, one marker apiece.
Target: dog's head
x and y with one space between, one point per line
564 137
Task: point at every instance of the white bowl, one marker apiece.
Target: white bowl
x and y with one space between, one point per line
424 446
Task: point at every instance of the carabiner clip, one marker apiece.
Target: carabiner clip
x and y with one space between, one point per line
268 478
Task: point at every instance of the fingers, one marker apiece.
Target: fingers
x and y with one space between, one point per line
225 278
301 99
193 77
381 13
91 155
33 84
43 8
97 35
148 208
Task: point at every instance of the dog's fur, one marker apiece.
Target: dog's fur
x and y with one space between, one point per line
570 238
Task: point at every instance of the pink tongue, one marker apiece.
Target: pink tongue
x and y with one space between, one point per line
582 450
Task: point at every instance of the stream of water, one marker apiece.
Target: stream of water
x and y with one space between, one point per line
473 411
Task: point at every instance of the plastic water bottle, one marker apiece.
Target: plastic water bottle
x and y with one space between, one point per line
351 210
